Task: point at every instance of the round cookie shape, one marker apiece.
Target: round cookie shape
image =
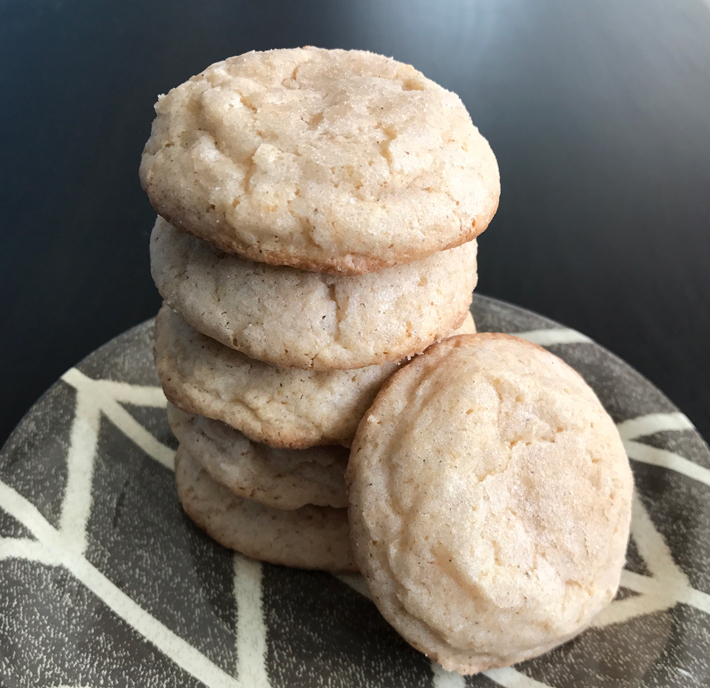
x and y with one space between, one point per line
298 319
312 537
283 407
490 502
279 478
325 160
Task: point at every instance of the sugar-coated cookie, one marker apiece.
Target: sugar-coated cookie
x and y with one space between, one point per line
297 319
326 160
312 537
490 502
283 407
279 478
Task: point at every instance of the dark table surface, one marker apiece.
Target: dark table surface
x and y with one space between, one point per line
598 112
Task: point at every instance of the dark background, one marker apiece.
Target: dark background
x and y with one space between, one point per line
598 112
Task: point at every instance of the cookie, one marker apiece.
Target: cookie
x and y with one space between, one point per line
312 537
297 319
490 501
283 407
279 478
326 160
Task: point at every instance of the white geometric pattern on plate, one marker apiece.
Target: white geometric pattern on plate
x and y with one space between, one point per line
65 546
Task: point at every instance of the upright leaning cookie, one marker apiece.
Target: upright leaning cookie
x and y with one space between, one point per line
325 160
298 319
490 501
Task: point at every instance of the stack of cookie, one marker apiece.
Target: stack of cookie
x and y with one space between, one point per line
317 220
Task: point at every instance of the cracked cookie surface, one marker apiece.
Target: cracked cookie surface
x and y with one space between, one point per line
283 407
326 160
312 537
299 319
490 502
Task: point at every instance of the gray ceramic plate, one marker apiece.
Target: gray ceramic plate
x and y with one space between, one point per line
104 582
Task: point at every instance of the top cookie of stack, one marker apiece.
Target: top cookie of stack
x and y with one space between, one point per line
326 160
